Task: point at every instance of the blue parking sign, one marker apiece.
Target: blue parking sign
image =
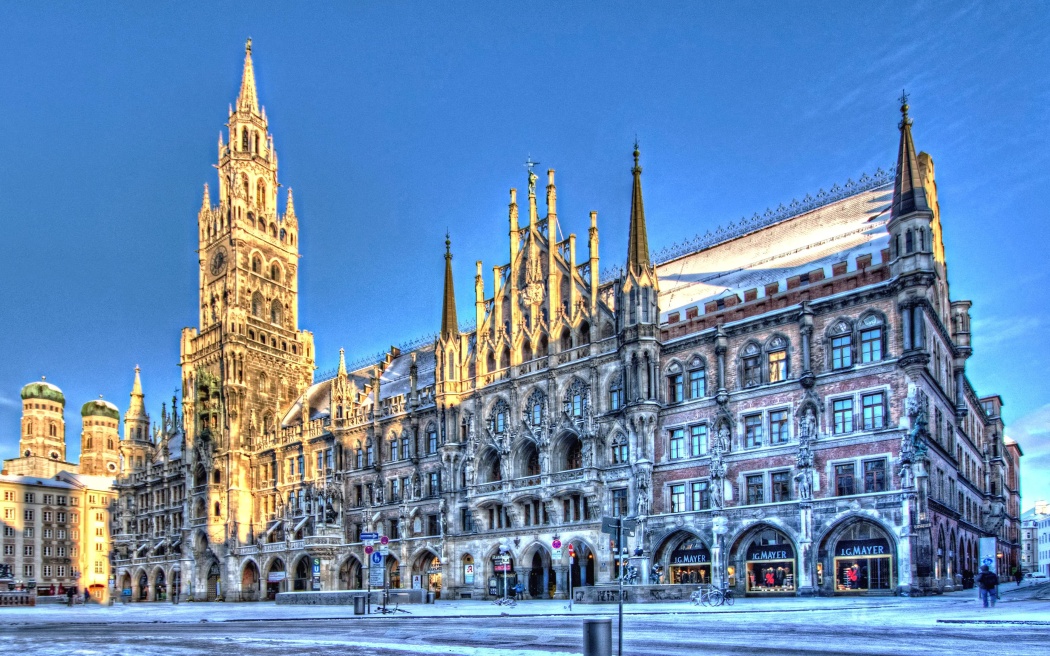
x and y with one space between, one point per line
377 558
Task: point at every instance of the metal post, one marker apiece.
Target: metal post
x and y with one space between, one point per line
619 553
597 637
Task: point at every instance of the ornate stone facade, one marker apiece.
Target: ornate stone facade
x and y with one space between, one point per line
784 409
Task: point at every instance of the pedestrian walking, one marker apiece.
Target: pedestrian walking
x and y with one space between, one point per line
87 596
70 593
988 582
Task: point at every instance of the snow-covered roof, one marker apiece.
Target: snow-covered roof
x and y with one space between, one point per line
100 483
35 480
832 233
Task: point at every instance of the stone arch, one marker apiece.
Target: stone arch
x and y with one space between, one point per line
749 364
577 397
585 568
567 452
275 568
424 563
537 573
844 534
499 416
301 572
489 466
213 578
748 573
250 580
350 573
158 584
526 459
140 585
683 556
533 417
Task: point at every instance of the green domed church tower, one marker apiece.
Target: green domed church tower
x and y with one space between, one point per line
42 442
100 439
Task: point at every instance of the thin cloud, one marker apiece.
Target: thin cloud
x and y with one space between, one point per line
7 402
994 331
1032 432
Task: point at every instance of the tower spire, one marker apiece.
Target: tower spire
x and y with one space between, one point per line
137 407
247 99
449 325
342 363
205 205
909 195
289 208
638 241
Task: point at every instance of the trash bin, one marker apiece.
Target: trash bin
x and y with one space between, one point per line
430 597
597 637
359 604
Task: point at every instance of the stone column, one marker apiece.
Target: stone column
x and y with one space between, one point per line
807 554
523 578
561 582
906 328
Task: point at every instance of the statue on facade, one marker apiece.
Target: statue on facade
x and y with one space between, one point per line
643 485
804 485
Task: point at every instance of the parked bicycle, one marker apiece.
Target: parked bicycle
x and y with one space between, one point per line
707 595
505 601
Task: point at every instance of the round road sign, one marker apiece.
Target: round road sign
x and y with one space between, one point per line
369 549
556 544
377 559
383 539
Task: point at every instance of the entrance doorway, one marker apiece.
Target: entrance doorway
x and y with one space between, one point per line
863 559
582 571
275 577
302 575
212 592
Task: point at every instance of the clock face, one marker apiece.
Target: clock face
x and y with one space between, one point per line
218 261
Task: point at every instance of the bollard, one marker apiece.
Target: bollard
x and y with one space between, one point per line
359 604
597 637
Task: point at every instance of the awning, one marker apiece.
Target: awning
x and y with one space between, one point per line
273 527
301 524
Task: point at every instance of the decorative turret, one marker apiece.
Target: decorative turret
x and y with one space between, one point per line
43 424
910 225
247 99
639 287
449 325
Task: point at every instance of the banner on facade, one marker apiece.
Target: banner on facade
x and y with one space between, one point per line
691 556
275 577
468 574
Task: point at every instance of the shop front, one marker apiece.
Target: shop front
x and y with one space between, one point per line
770 563
690 563
863 560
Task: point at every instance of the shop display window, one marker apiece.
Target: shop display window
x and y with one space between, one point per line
770 560
863 560
690 563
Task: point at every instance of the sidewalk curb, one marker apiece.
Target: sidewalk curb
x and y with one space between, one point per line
1022 622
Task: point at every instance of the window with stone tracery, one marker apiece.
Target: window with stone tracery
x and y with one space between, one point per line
576 399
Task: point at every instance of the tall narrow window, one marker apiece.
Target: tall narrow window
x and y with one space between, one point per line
393 450
752 373
674 388
780 486
875 476
841 352
842 416
753 431
619 502
701 493
615 394
677 498
755 489
698 440
874 410
871 345
844 484
778 427
697 383
432 440
677 443
777 366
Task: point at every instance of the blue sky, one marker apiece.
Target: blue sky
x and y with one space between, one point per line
393 121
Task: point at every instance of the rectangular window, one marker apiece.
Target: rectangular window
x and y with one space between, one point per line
752 374
302 470
841 352
9 549
675 390
615 401
677 498
395 487
842 415
697 383
27 570
778 427
753 431
320 461
777 366
677 443
49 499
698 440
30 497
100 567
9 495
871 345
61 552
435 483
874 411
47 571
393 451
329 461
28 515
844 480
701 493
619 502
9 532
874 475
577 405
9 513
432 441
61 571
61 500
780 485
395 529
27 550
61 517
755 489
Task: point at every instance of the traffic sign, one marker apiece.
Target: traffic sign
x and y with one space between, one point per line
556 544
369 536
383 539
377 559
556 554
369 549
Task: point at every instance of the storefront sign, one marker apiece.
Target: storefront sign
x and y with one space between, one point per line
417 582
468 574
771 552
275 577
862 548
501 568
690 556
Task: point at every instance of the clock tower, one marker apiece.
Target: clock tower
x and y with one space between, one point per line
247 361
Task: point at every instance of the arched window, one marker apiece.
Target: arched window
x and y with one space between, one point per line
257 304
697 378
29 428
532 462
872 338
244 139
776 359
432 439
109 444
260 195
574 455
526 351
256 264
840 345
275 271
52 430
750 365
244 187
909 241
255 145
499 418
620 450
216 477
566 339
275 311
535 408
490 361
218 509
585 333
616 397
576 399
251 219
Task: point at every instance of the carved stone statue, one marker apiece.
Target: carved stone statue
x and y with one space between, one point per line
808 425
722 439
545 461
804 485
586 451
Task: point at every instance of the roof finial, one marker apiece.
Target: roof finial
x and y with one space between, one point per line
248 46
448 244
904 109
636 154
449 324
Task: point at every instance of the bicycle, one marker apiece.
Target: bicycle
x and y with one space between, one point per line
727 596
707 596
505 601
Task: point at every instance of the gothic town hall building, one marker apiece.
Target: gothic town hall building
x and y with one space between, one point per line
782 405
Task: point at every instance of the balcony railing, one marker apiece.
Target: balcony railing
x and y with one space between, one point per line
528 481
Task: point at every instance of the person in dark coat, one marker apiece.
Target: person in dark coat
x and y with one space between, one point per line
988 582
